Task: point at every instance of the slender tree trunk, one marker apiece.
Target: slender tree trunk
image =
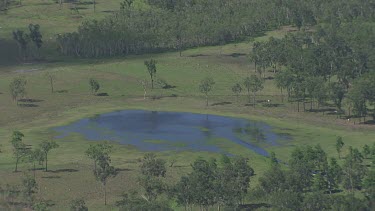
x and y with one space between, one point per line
17 159
254 99
206 100
46 163
105 193
51 81
34 170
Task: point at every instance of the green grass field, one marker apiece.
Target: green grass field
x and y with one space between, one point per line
71 171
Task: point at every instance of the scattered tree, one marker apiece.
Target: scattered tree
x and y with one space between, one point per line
17 88
94 85
151 68
46 146
206 86
237 89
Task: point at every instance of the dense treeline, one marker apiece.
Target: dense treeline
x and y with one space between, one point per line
166 25
333 63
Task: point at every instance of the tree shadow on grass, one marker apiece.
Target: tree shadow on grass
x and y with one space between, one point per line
272 105
28 105
197 55
63 170
51 177
235 55
369 122
123 169
221 103
62 91
104 94
28 100
254 206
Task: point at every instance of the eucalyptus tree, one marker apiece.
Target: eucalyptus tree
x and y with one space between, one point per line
51 78
18 88
152 169
339 145
206 86
237 89
94 86
35 35
20 149
96 151
22 40
255 85
151 68
104 171
46 146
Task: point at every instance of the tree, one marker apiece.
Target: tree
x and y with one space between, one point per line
94 85
20 150
78 205
152 166
22 41
96 151
353 170
339 145
29 187
337 94
152 169
333 175
151 68
366 151
51 78
17 88
35 35
255 85
104 172
237 89
144 84
206 86
36 155
47 146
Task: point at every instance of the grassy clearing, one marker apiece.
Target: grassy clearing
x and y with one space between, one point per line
71 172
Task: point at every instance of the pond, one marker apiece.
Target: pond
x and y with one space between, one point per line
162 131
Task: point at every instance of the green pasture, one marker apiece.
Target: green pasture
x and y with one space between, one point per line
71 171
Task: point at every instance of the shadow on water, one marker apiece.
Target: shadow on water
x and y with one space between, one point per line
172 130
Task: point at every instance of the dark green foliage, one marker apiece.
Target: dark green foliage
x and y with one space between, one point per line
353 169
316 201
22 41
35 35
78 205
286 200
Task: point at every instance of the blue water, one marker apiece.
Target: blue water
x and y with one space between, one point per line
161 131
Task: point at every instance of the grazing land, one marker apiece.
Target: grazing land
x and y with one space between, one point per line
122 87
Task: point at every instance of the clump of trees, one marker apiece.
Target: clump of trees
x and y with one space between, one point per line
94 86
23 39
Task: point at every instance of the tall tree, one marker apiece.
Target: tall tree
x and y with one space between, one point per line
46 146
20 150
22 41
151 68
255 85
94 86
237 89
96 151
104 172
35 35
206 86
339 145
18 88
